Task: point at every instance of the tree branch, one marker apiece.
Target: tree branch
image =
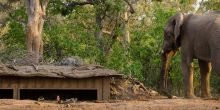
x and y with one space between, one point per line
5 7
73 3
68 7
44 5
131 7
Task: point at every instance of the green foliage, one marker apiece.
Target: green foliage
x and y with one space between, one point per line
16 34
212 5
146 43
13 42
215 81
73 35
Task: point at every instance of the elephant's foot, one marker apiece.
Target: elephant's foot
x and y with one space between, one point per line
166 93
206 96
191 97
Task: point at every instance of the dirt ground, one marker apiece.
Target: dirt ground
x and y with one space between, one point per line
149 104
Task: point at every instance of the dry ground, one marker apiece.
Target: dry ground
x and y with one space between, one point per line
150 104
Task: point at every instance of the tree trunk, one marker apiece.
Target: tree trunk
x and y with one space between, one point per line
126 28
126 33
98 32
36 10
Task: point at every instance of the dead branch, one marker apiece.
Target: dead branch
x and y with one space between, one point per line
131 7
5 7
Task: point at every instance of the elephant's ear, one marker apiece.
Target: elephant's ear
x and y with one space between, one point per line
178 22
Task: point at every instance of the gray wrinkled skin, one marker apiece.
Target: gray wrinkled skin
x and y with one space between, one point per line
196 36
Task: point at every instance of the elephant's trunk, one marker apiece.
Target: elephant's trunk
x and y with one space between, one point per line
166 60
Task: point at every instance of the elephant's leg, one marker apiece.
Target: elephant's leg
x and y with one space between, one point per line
215 54
205 71
188 70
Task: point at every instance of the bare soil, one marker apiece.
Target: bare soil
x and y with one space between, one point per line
149 104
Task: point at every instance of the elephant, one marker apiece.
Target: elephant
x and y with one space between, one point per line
195 36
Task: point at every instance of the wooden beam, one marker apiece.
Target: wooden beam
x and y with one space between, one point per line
106 88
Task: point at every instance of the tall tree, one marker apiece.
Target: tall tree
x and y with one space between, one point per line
110 16
36 10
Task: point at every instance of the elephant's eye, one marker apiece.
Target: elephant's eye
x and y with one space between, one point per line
167 35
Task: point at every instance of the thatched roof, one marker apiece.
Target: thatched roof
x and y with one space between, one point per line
84 71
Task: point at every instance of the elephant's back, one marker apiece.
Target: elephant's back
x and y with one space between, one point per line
217 20
212 12
201 31
215 27
199 25
215 32
203 20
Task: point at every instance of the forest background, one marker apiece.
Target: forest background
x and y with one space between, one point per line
125 35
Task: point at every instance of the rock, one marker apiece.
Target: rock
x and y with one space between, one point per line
71 61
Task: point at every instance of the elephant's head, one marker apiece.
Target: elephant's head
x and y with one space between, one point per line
171 44
172 33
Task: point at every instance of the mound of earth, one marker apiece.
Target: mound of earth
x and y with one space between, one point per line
127 88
